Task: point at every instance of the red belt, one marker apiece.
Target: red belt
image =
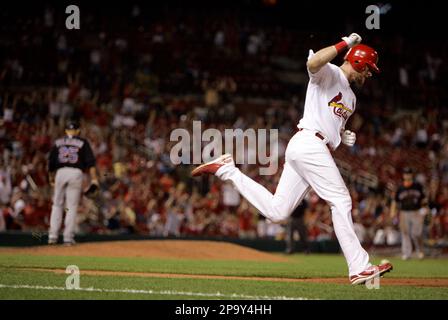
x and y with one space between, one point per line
317 134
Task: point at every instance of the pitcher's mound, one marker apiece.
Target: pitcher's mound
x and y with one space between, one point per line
179 249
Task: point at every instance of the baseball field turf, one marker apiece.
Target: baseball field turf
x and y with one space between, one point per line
109 273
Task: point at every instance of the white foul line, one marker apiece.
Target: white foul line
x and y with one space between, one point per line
153 292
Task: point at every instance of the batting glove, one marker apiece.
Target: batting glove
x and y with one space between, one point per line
349 138
352 40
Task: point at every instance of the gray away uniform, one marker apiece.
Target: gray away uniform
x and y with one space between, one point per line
69 157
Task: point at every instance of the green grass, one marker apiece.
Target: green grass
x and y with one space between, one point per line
204 286
298 266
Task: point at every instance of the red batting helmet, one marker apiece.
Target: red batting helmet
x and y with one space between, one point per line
361 56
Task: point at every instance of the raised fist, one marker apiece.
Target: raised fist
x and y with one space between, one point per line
352 40
349 138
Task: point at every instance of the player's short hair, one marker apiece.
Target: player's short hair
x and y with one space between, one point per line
408 170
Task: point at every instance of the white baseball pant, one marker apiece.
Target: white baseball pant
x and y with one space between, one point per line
68 186
308 164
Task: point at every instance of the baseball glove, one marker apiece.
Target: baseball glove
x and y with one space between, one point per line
92 191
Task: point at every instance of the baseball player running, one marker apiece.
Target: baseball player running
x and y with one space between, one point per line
329 102
411 202
68 158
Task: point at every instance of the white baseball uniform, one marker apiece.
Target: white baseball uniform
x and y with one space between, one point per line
309 163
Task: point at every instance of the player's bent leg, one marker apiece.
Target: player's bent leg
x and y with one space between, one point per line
276 207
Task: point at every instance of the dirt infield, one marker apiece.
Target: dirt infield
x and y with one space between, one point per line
417 282
173 249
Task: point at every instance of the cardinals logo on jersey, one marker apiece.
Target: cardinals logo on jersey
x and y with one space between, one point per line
339 108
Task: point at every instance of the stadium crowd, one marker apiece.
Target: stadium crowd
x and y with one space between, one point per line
131 91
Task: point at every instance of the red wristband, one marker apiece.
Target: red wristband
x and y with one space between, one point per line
341 46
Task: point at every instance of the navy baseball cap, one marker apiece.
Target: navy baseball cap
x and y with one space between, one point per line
72 125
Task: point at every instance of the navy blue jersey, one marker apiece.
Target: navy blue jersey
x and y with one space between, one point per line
410 198
74 152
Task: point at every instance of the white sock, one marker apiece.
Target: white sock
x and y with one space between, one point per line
225 171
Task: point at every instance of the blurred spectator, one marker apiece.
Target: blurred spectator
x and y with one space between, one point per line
5 183
230 196
296 223
229 72
2 218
